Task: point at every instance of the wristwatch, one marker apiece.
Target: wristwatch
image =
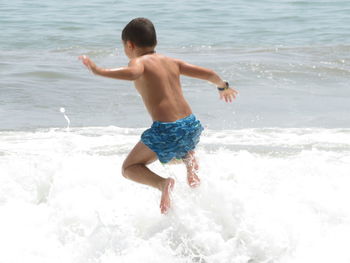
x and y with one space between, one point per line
224 88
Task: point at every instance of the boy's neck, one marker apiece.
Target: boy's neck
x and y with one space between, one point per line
144 51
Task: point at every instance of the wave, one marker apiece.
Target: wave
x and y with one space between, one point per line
267 195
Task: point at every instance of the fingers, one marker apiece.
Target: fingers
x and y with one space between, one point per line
83 58
228 95
223 96
234 93
86 61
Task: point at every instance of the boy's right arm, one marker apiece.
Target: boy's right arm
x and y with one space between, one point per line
133 71
194 71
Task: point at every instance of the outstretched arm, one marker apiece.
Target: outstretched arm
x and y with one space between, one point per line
194 71
133 71
209 75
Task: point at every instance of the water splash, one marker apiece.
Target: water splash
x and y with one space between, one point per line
63 110
266 195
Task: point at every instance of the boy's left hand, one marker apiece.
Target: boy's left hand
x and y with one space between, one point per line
228 94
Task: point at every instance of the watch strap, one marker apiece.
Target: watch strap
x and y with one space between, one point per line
224 88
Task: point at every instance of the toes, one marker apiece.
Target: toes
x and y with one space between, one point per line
164 208
193 182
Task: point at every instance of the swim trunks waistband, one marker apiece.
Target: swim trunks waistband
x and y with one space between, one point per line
191 116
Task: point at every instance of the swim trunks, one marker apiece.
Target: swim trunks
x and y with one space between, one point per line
173 139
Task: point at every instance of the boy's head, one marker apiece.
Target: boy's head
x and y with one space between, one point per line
141 32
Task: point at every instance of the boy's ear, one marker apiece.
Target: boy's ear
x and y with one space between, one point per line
130 44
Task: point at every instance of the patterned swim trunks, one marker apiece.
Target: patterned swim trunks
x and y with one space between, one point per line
173 139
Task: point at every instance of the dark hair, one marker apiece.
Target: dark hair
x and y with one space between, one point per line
141 32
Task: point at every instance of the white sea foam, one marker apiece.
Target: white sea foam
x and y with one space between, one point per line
267 195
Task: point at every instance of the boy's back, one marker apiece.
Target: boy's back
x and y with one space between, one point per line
160 88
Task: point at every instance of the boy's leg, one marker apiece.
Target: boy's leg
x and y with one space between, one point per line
134 168
192 169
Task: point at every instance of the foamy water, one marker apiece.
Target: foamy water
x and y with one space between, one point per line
267 195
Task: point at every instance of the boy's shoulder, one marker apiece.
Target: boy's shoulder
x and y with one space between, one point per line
155 55
154 58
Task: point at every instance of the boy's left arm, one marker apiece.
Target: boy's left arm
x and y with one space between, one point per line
227 94
133 71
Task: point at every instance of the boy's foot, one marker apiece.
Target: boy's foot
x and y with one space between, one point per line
193 180
192 169
165 199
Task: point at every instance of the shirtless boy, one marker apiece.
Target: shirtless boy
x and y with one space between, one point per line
175 130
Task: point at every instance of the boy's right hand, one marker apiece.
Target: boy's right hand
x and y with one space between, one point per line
88 63
228 94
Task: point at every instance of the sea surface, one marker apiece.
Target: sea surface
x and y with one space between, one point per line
274 164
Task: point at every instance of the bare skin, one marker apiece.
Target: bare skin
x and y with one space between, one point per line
192 169
135 168
157 79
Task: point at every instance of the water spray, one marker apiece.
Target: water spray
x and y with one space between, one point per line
63 110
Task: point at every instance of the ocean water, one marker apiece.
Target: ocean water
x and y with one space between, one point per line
274 164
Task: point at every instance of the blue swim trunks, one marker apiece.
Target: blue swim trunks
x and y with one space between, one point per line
173 139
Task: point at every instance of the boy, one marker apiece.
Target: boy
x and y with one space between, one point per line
175 130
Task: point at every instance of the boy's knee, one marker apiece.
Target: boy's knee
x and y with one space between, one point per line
124 168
